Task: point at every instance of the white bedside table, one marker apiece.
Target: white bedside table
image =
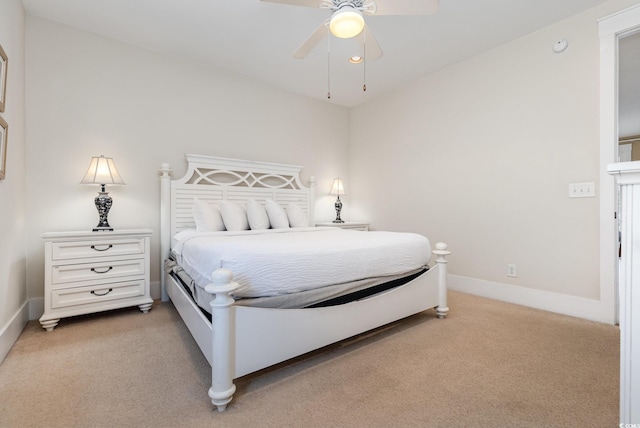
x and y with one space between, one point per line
346 225
88 272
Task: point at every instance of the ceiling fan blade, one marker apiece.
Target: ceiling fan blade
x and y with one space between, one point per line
305 3
368 44
312 41
404 7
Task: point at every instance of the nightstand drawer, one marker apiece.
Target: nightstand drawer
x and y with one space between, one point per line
64 274
97 248
96 293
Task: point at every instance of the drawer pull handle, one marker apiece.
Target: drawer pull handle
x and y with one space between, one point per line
103 271
103 294
93 247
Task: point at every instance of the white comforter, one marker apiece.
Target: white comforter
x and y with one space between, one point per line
281 261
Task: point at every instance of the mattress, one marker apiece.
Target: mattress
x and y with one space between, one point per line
287 261
318 297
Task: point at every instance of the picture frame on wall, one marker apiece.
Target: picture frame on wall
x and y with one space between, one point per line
3 78
4 130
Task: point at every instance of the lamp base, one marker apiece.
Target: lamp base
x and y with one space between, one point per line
103 205
338 207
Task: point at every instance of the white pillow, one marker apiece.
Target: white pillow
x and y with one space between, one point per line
277 216
233 216
297 217
206 216
257 215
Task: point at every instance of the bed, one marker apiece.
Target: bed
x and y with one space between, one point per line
237 332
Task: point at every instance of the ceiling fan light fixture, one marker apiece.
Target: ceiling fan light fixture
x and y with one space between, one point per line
346 22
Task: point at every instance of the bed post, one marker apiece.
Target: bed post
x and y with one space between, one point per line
165 224
223 325
441 251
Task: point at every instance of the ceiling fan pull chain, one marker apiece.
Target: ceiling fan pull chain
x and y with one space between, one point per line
364 61
328 66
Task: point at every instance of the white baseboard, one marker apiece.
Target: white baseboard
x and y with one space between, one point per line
10 332
574 306
545 300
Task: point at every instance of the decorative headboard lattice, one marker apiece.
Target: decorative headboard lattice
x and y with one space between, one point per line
219 177
213 179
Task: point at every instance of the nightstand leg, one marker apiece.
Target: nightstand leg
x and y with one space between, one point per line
49 324
145 307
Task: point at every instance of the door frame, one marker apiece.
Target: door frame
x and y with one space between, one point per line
611 29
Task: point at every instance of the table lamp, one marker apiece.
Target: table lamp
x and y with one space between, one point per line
102 171
337 189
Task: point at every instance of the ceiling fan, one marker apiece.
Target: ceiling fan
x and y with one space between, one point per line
347 20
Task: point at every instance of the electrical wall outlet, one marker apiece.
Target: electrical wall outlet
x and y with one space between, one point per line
582 190
512 271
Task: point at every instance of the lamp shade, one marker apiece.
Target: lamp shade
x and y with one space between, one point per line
337 188
346 22
102 170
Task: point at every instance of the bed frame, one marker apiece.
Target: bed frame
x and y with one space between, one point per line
240 340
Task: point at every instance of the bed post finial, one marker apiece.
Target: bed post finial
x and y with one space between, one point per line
223 354
441 251
165 223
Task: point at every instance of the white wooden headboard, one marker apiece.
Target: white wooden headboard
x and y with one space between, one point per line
212 179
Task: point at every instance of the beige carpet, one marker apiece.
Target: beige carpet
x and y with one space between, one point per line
489 364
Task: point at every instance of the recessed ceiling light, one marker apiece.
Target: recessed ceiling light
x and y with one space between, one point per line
355 59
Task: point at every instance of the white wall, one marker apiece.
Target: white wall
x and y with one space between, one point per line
88 95
13 296
480 155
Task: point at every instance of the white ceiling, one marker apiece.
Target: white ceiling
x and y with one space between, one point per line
256 39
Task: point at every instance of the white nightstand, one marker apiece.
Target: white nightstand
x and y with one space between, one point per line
88 272
346 225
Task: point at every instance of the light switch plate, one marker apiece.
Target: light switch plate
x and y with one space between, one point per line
582 190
